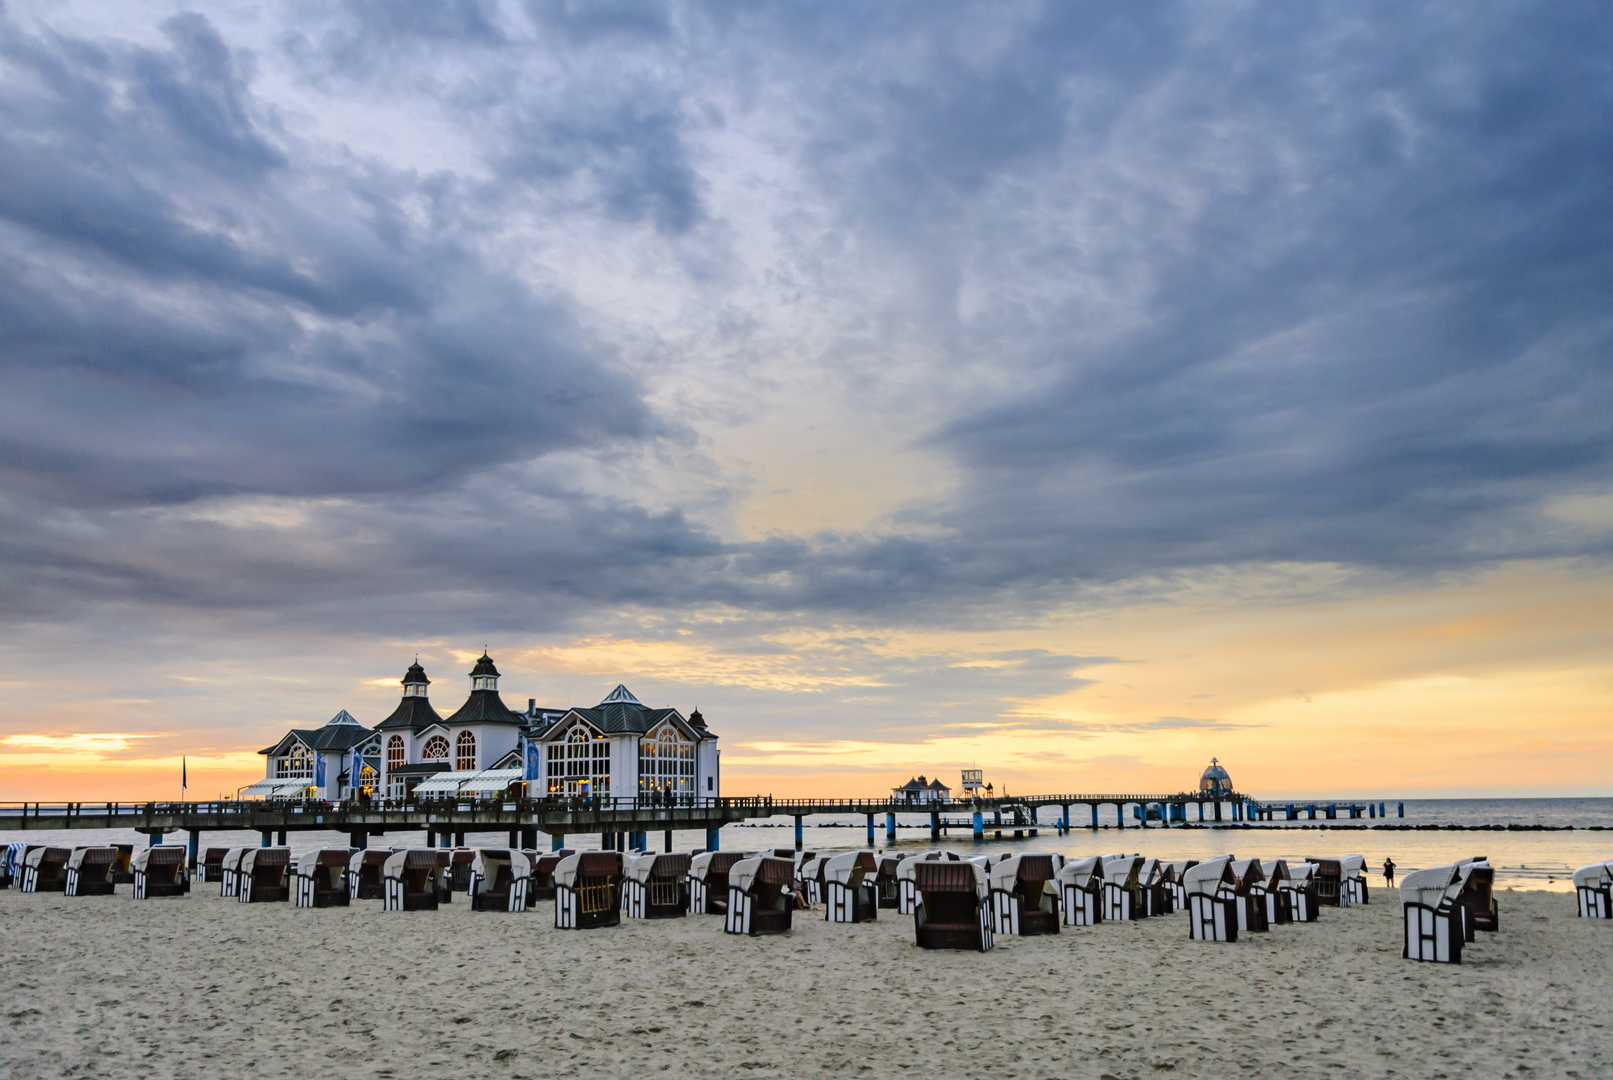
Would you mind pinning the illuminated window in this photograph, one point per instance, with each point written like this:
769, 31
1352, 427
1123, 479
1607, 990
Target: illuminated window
436, 749
465, 759
665, 761
580, 765
295, 765
395, 758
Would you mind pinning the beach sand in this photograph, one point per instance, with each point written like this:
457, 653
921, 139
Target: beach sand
208, 987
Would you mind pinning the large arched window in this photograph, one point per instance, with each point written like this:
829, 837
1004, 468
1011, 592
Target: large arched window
665, 762
296, 765
465, 759
436, 749
395, 759
580, 764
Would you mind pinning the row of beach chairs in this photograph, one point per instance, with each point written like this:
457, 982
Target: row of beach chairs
94, 870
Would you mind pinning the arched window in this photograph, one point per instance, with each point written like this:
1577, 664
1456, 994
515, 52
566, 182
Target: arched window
465, 759
665, 762
296, 765
580, 765
395, 759
436, 749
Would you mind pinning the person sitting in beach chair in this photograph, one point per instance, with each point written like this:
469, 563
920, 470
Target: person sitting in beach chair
954, 905
319, 878
1433, 917
588, 890
264, 876
1478, 896
1353, 879
1594, 886
849, 892
212, 867
1250, 886
364, 874
1299, 889
89, 871
656, 886
542, 887
229, 878
1212, 900
761, 896
498, 880
44, 869
411, 880
1122, 888
708, 881
1080, 884
1328, 876
159, 871
1024, 902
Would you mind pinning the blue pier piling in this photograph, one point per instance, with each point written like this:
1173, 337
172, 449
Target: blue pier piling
1120, 816
556, 842
798, 834
267, 839
980, 825
194, 851
890, 828
1402, 807
714, 839
1094, 815
935, 827
870, 830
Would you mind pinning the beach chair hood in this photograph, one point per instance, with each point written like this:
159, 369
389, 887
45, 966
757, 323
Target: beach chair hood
840, 868
1081, 872
1593, 876
1431, 886
1208, 876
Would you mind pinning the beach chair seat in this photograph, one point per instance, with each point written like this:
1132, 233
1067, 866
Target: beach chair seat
1023, 900
411, 880
44, 869
708, 881
319, 878
265, 876
1433, 917
954, 906
1080, 883
1328, 876
542, 887
1212, 901
761, 896
498, 880
588, 890
89, 871
1478, 896
123, 866
885, 880
364, 874
212, 864
850, 894
656, 886
159, 871
907, 896
1593, 885
1250, 889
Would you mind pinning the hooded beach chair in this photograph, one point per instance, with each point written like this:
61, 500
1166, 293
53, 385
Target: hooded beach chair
1212, 900
44, 869
498, 880
1353, 879
799, 885
1433, 918
411, 880
542, 886
89, 871
1250, 886
954, 905
907, 896
809, 880
885, 880
229, 878
160, 871
364, 874
319, 878
1080, 884
588, 890
1328, 876
1594, 886
1122, 888
761, 896
457, 877
1478, 896
265, 876
849, 892
1178, 868
1154, 883
1023, 900
708, 881
1299, 886
1279, 902
656, 886
212, 867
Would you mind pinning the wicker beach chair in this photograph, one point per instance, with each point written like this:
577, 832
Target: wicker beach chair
159, 871
1433, 917
1300, 887
1154, 882
319, 878
411, 880
809, 881
1080, 884
1328, 876
89, 871
1594, 886
1352, 880
229, 878
761, 896
1279, 901
885, 880
1023, 900
265, 876
212, 867
656, 886
1250, 886
458, 876
1179, 868
907, 896
499, 879
1122, 888
364, 874
44, 869
708, 881
542, 887
1212, 900
1478, 896
850, 894
954, 906
588, 890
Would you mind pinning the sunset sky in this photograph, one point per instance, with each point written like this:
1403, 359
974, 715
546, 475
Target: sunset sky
1077, 391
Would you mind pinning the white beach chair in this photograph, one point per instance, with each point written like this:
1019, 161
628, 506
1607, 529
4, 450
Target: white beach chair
588, 890
44, 869
11, 865
761, 896
1179, 867
656, 886
1594, 885
1212, 900
954, 905
264, 876
499, 878
849, 893
1250, 887
1081, 890
319, 878
1120, 888
1433, 918
1154, 885
411, 880
708, 881
1477, 898
89, 871
1300, 888
809, 879
1024, 900
1279, 902
1352, 880
159, 871
230, 871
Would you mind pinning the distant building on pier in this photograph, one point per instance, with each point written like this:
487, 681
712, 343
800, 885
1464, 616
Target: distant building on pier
921, 792
1215, 780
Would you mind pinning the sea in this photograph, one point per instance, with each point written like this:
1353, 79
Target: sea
1532, 843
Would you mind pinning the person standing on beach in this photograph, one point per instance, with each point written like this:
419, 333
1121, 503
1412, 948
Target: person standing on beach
1389, 872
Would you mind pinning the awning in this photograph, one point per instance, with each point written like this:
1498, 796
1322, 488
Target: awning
444, 783
491, 782
276, 789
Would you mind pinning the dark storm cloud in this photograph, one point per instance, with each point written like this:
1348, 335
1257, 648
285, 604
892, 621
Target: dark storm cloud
1263, 284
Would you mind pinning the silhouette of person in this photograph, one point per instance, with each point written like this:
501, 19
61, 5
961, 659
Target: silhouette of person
1389, 872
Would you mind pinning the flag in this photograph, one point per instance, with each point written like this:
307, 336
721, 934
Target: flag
184, 771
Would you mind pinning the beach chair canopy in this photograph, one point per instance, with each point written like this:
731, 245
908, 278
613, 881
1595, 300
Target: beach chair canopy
1029, 865
1248, 872
1181, 866
399, 862
1299, 873
932, 875
840, 868
590, 864
812, 869
489, 861
1082, 872
265, 857
763, 869
1593, 876
1122, 869
309, 861
1208, 876
160, 855
232, 857
368, 857
1276, 873
642, 868
1353, 866
1429, 887
39, 856
92, 856
703, 865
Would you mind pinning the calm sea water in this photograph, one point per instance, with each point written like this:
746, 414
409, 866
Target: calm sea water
1524, 859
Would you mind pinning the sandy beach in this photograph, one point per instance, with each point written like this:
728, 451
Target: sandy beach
206, 987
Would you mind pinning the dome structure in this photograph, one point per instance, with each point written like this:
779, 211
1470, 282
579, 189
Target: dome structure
1215, 780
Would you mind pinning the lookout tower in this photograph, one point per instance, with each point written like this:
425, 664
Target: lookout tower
1215, 780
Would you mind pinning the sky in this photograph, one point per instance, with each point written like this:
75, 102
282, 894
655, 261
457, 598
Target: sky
1076, 391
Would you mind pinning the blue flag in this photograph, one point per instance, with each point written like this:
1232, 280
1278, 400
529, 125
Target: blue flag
319, 770
531, 761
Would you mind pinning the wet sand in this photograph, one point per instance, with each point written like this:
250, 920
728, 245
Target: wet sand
207, 987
